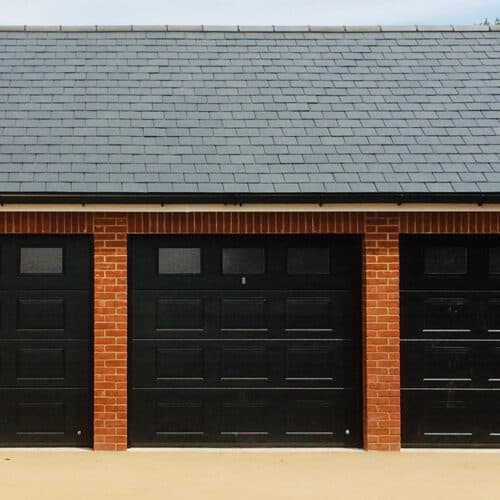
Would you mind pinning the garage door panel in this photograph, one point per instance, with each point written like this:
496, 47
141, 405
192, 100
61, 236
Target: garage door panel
41, 314
166, 315
449, 315
156, 418
308, 314
454, 418
243, 417
50, 315
314, 415
441, 364
42, 417
180, 363
313, 362
51, 363
245, 314
296, 363
180, 315
246, 362
319, 314
320, 362
445, 417
44, 314
454, 315
431, 315
210, 314
180, 417
169, 363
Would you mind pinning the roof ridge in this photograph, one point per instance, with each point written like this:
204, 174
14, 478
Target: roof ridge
250, 29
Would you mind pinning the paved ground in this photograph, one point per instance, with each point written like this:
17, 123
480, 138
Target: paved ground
245, 475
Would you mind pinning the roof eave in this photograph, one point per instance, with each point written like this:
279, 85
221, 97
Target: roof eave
239, 198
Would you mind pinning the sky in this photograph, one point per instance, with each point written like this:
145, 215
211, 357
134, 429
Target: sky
247, 12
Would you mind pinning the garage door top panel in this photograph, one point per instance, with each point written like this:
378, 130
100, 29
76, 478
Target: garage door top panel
450, 263
249, 262
44, 263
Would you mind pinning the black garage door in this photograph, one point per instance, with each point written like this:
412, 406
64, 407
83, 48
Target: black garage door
245, 340
450, 341
44, 341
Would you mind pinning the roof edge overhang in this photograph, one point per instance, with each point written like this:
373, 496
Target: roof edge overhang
202, 202
247, 29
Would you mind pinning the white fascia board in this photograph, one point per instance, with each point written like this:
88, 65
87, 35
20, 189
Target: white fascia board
248, 207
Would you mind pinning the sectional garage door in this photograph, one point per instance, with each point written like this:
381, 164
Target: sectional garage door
450, 341
44, 341
245, 340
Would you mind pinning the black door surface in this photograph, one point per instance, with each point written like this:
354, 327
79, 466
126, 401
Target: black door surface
245, 340
450, 341
44, 341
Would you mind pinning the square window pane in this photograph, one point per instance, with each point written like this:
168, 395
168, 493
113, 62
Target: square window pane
243, 261
494, 261
308, 261
445, 260
179, 261
38, 260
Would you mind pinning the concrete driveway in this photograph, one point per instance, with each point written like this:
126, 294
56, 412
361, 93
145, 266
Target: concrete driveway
248, 475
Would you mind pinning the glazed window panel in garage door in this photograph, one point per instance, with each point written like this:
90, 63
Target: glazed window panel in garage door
450, 341
259, 346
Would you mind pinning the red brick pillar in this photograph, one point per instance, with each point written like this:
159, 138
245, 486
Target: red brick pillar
110, 332
381, 332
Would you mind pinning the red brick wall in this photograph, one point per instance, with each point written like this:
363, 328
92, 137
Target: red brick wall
380, 293
110, 332
382, 426
244, 223
457, 222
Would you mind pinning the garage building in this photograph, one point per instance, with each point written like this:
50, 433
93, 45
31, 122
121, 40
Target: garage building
250, 236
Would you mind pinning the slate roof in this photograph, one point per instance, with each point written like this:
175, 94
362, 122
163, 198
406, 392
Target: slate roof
249, 110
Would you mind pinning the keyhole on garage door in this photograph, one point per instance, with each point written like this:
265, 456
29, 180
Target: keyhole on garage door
243, 280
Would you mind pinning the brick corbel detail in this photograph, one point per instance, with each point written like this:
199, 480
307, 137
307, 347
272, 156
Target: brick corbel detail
110, 332
382, 423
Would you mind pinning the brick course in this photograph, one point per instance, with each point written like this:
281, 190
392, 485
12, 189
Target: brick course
380, 293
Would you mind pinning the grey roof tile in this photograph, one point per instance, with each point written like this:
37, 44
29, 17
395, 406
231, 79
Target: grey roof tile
439, 187
234, 187
489, 187
286, 188
388, 187
211, 187
338, 187
312, 187
465, 187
